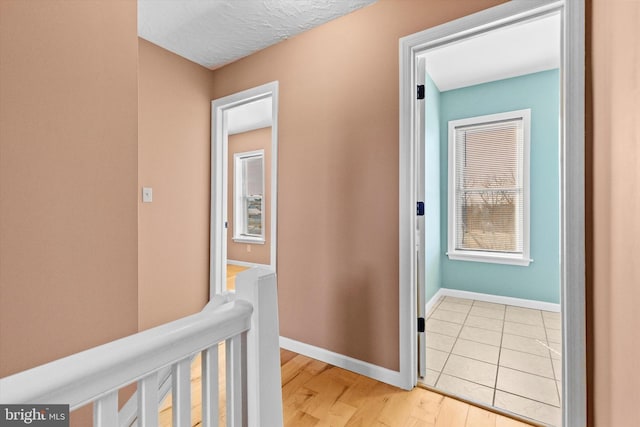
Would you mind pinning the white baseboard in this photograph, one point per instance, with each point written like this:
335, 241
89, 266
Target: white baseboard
358, 366
432, 302
247, 264
518, 302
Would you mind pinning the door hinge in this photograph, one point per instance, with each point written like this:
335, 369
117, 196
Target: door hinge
226, 224
420, 92
421, 324
420, 209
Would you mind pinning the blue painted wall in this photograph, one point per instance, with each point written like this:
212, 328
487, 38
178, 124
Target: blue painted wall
541, 279
433, 246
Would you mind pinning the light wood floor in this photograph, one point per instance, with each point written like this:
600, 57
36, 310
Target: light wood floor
318, 394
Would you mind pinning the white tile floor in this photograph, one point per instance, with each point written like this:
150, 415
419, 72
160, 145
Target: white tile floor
501, 355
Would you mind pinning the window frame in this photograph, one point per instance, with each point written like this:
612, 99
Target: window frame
523, 259
240, 234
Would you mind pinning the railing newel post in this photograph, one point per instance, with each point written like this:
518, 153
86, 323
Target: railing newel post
264, 393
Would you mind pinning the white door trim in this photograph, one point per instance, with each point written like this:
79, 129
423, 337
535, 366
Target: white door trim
219, 150
571, 180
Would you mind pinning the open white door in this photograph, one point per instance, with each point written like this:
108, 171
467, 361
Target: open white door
420, 218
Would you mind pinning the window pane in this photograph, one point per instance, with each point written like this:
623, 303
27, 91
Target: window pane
253, 173
253, 205
254, 215
488, 221
489, 160
249, 195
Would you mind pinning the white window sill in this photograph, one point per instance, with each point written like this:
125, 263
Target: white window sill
489, 257
249, 240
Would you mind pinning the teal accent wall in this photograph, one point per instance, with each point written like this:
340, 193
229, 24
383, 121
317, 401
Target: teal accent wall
433, 246
541, 279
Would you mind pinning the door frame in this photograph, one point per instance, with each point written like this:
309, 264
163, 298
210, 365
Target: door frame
219, 179
572, 173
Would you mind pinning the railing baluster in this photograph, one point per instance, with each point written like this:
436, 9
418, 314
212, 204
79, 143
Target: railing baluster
105, 410
236, 380
181, 393
210, 403
148, 400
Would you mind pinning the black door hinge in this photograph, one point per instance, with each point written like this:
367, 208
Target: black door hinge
420, 92
420, 209
420, 324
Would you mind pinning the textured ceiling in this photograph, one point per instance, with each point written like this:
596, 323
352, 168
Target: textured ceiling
215, 32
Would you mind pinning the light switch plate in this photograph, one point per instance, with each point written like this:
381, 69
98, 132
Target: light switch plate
147, 194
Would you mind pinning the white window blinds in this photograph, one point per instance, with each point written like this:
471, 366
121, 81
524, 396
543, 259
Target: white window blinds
489, 202
248, 200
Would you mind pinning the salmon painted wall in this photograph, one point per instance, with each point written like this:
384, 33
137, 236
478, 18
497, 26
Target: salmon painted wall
259, 139
68, 174
613, 210
68, 177
174, 159
338, 172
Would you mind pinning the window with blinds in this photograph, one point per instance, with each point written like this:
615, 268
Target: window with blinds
249, 203
488, 188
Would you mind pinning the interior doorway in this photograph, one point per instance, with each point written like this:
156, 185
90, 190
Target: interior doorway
492, 219
243, 184
465, 240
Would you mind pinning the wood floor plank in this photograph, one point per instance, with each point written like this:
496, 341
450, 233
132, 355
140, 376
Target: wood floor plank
502, 421
416, 422
477, 417
299, 401
359, 392
286, 355
327, 394
452, 413
301, 419
294, 375
428, 405
398, 408
338, 416
368, 412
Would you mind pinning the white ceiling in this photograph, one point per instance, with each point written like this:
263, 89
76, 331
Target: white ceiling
508, 52
216, 32
251, 116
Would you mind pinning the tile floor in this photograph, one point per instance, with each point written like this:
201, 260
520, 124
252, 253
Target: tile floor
501, 355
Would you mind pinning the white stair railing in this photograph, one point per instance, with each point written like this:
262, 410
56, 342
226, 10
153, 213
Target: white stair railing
248, 324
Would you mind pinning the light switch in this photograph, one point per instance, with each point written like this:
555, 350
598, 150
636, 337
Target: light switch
147, 194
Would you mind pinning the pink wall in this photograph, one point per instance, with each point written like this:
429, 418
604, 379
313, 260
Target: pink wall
68, 178
338, 172
238, 143
614, 209
174, 157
